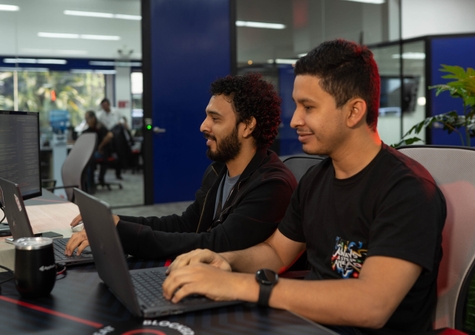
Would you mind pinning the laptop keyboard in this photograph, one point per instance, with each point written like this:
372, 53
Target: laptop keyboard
148, 286
59, 247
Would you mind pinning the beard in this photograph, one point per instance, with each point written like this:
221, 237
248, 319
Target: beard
227, 149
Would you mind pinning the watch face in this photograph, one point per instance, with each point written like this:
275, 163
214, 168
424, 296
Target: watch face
266, 276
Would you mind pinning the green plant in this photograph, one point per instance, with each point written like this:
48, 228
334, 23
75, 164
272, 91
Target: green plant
463, 86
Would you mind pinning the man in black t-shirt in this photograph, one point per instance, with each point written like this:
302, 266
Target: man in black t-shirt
369, 217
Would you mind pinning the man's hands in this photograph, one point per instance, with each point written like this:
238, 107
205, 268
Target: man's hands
207, 273
202, 279
200, 256
79, 240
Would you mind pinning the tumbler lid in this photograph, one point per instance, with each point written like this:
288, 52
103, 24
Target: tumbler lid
32, 243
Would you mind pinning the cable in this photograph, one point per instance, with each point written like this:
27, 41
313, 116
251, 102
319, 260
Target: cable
60, 270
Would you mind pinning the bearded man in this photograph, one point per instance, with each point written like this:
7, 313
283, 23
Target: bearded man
244, 192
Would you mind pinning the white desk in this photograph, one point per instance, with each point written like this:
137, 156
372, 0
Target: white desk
46, 213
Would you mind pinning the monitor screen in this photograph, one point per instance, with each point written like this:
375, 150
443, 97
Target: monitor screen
391, 92
20, 151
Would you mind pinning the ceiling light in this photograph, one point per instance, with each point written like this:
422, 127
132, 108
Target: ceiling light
82, 36
282, 61
90, 14
19, 60
9, 8
103, 15
378, 2
57, 35
253, 24
109, 63
34, 61
93, 71
52, 61
410, 55
53, 51
128, 17
29, 69
100, 37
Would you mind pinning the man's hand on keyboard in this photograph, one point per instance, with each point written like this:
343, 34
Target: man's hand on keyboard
78, 240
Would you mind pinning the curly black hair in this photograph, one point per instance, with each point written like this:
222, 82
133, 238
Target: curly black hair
252, 96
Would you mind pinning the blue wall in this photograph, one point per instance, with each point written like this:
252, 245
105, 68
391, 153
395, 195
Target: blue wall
449, 51
289, 143
191, 46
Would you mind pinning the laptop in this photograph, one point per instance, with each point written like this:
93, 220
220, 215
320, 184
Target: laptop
19, 224
139, 290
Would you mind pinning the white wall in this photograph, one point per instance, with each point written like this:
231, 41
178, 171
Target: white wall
435, 17
123, 92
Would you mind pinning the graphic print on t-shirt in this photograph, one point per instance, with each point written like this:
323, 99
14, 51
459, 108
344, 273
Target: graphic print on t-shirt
348, 258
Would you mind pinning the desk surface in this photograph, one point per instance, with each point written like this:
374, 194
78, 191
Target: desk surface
81, 304
46, 213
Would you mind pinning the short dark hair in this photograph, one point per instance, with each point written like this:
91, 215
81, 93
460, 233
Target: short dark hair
105, 100
252, 96
346, 70
91, 114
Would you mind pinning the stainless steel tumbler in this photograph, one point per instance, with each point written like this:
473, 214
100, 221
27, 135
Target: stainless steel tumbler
35, 268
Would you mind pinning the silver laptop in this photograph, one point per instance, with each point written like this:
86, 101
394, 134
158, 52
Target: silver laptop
19, 223
139, 290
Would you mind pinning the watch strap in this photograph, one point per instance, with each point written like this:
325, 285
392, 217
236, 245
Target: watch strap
264, 294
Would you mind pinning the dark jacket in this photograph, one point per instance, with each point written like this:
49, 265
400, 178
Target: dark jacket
249, 216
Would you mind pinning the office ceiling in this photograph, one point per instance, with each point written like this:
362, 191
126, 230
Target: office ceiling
20, 29
318, 20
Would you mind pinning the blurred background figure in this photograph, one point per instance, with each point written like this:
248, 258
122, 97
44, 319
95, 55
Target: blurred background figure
102, 152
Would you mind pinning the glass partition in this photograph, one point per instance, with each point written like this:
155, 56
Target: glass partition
272, 34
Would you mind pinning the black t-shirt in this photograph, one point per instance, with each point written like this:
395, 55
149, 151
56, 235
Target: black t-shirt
390, 208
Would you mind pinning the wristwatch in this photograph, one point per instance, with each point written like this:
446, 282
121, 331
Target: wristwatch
266, 279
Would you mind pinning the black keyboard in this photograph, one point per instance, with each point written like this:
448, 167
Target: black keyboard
148, 285
59, 247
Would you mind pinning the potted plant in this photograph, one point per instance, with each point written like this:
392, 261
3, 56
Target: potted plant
463, 86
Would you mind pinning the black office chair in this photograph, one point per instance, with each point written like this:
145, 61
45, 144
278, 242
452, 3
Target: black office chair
299, 165
104, 164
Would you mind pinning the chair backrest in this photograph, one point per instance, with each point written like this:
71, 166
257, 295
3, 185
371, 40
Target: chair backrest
299, 164
453, 169
73, 169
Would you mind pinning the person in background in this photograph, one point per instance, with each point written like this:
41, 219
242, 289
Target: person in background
244, 192
107, 115
113, 121
369, 217
103, 149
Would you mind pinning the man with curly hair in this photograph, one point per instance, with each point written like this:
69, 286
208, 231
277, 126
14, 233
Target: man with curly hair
244, 192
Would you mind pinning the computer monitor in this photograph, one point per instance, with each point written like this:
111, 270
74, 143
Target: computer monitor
391, 92
20, 151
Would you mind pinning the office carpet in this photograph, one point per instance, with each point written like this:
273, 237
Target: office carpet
129, 200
